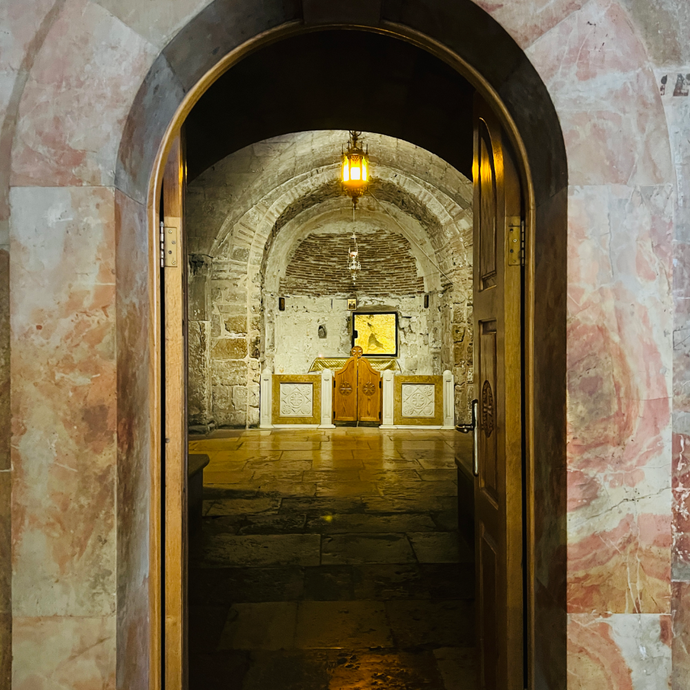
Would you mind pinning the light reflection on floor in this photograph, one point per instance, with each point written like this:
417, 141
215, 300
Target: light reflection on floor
329, 559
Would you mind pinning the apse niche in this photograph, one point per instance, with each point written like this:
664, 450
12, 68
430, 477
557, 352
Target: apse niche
271, 226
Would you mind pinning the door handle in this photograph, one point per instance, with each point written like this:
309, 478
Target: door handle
474, 428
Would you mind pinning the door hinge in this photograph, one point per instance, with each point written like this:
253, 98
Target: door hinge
170, 235
161, 239
516, 241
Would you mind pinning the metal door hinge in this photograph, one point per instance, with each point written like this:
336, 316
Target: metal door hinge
516, 241
170, 236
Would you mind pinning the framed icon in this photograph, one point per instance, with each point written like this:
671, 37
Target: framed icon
352, 304
376, 334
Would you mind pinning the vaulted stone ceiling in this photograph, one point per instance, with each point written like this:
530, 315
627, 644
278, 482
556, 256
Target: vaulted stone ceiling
239, 207
361, 80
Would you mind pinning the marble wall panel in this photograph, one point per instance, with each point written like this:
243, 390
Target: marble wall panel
89, 63
681, 636
681, 507
619, 384
157, 22
619, 652
64, 653
63, 401
134, 425
595, 68
527, 20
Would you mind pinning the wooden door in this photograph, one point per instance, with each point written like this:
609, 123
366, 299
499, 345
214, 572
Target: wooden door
368, 392
498, 484
175, 422
345, 392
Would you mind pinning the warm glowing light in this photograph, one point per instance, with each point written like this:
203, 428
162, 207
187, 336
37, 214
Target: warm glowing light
355, 174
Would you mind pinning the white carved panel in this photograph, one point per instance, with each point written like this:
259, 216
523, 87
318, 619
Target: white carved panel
296, 399
418, 400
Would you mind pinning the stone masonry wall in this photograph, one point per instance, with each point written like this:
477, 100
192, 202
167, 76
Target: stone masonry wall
276, 224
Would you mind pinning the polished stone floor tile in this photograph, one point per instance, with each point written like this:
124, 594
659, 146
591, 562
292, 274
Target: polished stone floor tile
356, 488
206, 623
285, 488
278, 464
284, 670
261, 550
439, 547
341, 475
321, 505
213, 476
226, 491
386, 670
329, 583
458, 667
358, 523
240, 506
417, 504
220, 670
272, 524
417, 489
231, 585
342, 549
439, 475
437, 463
365, 588
266, 625
430, 624
342, 624
383, 464
389, 476
276, 474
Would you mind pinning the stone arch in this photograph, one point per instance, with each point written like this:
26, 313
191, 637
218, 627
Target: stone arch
238, 224
554, 56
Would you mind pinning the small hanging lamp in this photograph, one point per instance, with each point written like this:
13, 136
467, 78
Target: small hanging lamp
355, 175
355, 179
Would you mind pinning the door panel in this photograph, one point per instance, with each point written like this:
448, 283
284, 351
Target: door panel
488, 453
498, 486
175, 421
345, 393
368, 392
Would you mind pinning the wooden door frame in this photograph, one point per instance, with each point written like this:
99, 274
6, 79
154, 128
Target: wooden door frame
490, 95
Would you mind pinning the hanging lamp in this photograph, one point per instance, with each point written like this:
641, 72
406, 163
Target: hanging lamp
355, 179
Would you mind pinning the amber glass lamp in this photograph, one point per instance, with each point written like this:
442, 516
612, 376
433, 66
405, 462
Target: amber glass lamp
355, 174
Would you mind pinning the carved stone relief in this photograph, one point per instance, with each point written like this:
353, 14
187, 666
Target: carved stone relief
296, 399
418, 400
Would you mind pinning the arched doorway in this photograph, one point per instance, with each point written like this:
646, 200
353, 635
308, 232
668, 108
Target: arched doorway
542, 170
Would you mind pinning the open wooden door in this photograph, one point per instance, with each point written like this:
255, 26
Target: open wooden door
498, 376
174, 422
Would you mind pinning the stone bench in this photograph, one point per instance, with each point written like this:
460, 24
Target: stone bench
195, 491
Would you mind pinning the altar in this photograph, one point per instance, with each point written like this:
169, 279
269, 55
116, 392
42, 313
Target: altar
358, 389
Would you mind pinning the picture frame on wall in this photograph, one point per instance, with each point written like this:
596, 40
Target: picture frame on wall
376, 333
352, 304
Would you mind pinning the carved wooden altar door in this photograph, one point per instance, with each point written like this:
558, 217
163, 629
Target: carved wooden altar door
498, 470
368, 392
345, 392
357, 391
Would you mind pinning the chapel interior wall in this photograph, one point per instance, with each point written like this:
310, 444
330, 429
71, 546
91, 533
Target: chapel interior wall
414, 235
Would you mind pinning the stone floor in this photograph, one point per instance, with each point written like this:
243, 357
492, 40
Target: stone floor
330, 559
